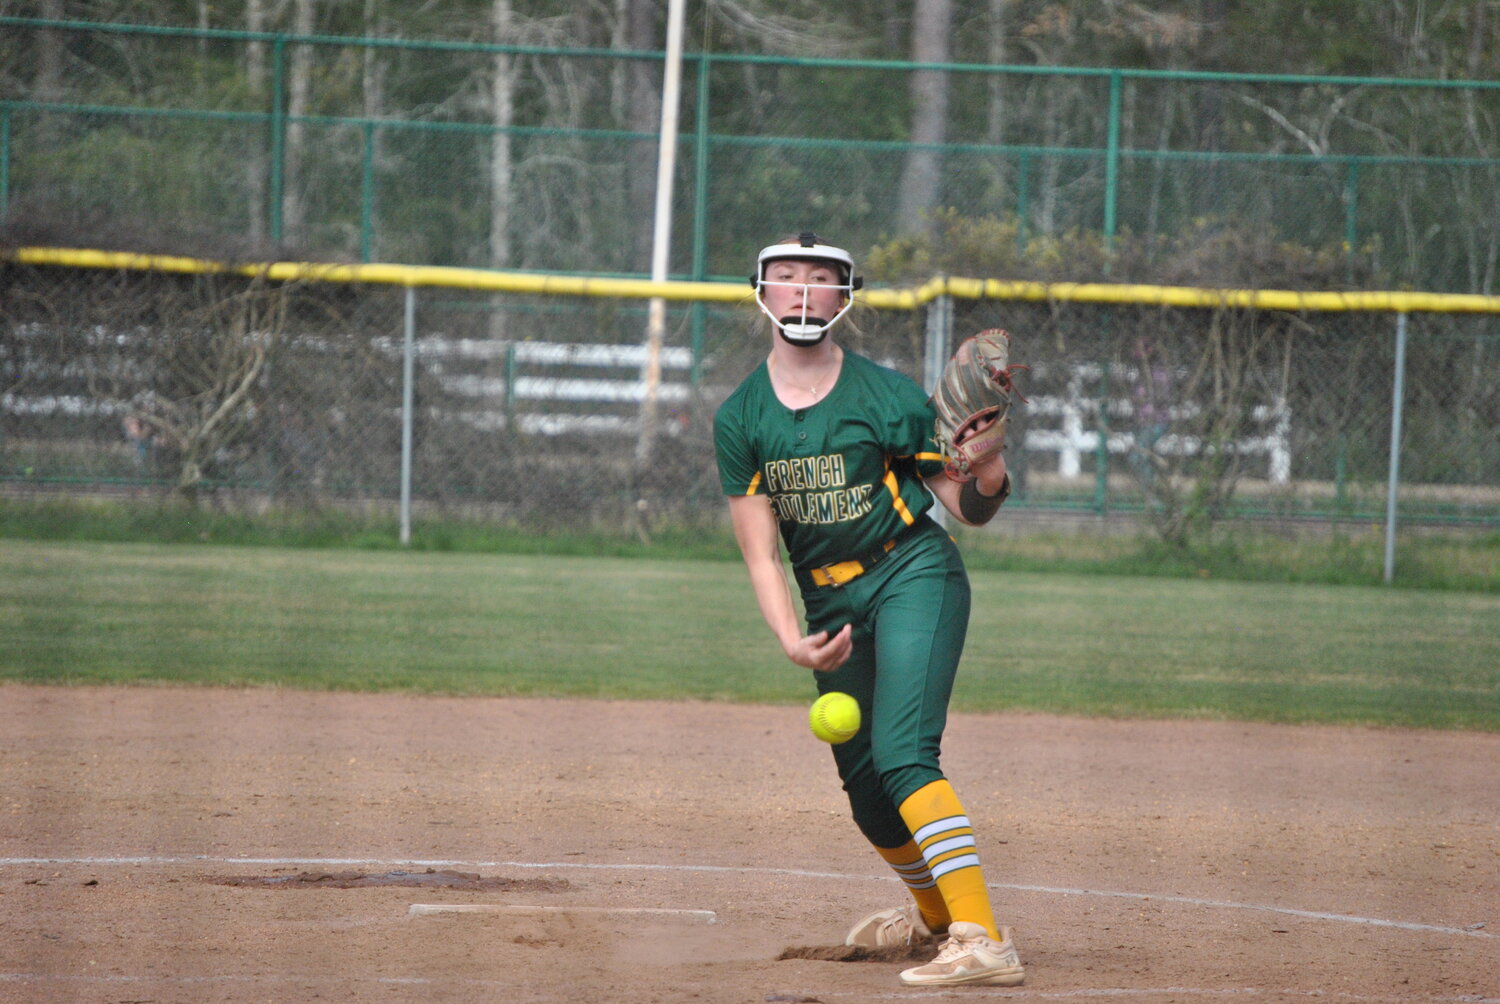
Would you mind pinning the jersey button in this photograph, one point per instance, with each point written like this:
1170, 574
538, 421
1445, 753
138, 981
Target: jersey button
801, 435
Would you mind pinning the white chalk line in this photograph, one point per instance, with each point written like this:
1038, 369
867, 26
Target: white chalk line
1341, 918
1122, 993
1118, 993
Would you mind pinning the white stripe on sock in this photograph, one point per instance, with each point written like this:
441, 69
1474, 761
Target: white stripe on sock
915, 874
951, 844
938, 826
954, 864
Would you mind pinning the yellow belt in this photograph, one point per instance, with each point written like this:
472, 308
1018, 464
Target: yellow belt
847, 571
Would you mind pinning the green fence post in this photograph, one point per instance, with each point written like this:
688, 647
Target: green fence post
1112, 158
367, 193
4, 163
278, 133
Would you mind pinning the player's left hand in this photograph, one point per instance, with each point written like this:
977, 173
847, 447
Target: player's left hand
972, 402
823, 651
989, 472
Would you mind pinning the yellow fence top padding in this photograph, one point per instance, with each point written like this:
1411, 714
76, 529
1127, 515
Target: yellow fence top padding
908, 298
482, 280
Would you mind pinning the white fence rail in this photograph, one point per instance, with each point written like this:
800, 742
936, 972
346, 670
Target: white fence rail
1061, 426
524, 377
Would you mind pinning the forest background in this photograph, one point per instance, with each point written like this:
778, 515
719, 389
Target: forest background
617, 102
1306, 146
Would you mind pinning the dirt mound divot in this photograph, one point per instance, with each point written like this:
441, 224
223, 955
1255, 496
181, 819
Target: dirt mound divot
857, 953
430, 879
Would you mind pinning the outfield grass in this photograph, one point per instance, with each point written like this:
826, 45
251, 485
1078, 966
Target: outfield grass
463, 623
1342, 555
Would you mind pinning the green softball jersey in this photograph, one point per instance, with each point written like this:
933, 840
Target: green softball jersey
843, 476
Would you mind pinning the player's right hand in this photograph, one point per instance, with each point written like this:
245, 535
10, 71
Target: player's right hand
822, 651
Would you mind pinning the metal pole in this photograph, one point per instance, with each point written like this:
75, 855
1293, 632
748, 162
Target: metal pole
408, 397
1101, 447
656, 324
939, 338
1398, 395
700, 214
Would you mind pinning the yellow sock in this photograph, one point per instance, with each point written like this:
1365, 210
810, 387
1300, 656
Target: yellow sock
908, 863
937, 820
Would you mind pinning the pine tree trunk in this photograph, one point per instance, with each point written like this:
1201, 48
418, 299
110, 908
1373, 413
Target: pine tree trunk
921, 177
502, 115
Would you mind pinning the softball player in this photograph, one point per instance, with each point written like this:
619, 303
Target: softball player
833, 454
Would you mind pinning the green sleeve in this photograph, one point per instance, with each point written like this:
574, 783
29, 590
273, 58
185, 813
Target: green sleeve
911, 428
739, 470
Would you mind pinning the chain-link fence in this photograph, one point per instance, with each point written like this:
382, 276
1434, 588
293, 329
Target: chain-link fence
521, 158
529, 409
1198, 413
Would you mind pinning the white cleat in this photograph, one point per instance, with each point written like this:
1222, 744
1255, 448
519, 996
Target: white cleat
970, 956
901, 925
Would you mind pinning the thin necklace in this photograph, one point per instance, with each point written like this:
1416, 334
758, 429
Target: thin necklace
771, 364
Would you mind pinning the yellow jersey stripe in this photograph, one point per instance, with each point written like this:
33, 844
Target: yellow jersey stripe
754, 484
895, 489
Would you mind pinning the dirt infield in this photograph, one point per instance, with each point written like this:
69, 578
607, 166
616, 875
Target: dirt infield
183, 845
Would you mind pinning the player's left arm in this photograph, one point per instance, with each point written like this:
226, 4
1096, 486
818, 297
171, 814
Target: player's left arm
974, 503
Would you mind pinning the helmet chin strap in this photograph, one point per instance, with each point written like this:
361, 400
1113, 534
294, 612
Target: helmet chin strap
802, 328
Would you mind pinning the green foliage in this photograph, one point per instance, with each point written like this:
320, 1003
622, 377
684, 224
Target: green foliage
959, 245
1309, 36
425, 201
1207, 252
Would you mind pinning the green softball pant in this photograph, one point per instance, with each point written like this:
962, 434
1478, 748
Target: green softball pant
910, 615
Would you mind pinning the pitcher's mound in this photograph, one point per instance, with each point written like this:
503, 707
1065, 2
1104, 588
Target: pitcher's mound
858, 953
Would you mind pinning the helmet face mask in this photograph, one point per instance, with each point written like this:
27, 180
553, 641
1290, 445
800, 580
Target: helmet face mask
804, 328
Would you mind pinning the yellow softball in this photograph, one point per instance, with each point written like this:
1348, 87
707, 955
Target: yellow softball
834, 718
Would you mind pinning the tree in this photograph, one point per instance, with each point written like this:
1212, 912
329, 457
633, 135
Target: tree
1194, 402
502, 167
299, 89
49, 55
1197, 386
255, 158
643, 115
921, 177
210, 342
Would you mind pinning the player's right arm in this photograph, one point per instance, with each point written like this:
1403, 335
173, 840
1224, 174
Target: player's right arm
755, 532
